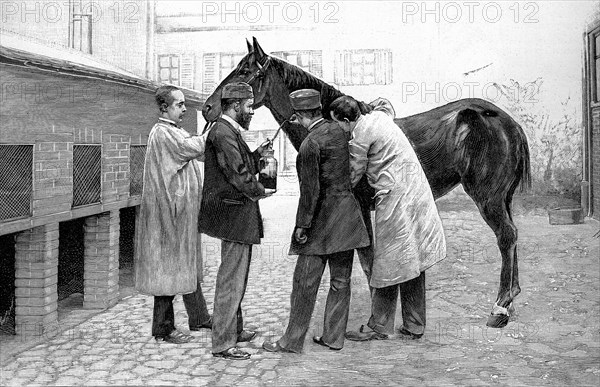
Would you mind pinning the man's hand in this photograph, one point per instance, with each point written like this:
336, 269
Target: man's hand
262, 148
300, 235
269, 192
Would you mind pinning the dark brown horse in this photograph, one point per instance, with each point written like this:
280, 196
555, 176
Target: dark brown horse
470, 142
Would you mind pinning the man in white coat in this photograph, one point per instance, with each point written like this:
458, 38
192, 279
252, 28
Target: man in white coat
408, 234
166, 230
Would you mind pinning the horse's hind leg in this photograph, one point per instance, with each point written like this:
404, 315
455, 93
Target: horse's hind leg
496, 212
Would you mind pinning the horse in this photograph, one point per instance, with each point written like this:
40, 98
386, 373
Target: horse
470, 142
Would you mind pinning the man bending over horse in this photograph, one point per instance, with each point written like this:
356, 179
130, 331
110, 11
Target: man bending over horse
408, 234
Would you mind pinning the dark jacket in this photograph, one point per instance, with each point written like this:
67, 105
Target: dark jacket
327, 207
228, 210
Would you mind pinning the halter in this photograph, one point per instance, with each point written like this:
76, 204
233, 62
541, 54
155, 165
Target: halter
259, 73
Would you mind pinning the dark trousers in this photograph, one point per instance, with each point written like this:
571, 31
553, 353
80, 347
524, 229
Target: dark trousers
230, 288
412, 298
307, 278
163, 321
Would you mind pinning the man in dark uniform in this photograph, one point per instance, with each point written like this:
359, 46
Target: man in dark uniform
230, 212
329, 226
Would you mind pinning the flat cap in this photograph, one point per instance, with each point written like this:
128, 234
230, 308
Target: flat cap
239, 90
305, 99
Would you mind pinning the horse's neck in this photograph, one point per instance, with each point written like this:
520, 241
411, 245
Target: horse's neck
282, 111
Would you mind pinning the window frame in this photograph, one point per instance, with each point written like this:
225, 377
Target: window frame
171, 67
344, 66
593, 60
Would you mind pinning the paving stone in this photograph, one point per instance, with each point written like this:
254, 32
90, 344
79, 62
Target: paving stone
94, 382
27, 373
104, 364
75, 371
164, 365
123, 375
69, 381
98, 375
144, 371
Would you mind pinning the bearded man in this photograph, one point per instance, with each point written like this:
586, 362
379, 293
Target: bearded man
230, 212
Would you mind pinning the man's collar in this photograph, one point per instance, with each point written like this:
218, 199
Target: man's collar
359, 122
232, 122
314, 124
168, 121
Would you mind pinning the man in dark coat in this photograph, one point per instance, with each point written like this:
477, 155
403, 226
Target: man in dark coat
329, 226
230, 212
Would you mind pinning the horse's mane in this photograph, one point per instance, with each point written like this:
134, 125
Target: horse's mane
296, 78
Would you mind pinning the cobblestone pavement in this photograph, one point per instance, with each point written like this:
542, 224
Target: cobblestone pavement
553, 339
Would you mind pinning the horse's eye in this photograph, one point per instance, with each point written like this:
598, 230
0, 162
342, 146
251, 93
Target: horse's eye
244, 72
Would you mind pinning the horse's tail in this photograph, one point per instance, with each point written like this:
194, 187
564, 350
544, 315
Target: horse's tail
523, 166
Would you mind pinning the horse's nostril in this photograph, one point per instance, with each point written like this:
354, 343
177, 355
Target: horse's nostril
207, 108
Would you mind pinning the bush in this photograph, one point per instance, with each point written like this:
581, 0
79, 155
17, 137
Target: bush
554, 143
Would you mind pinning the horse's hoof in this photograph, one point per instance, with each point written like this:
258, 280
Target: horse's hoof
497, 320
511, 309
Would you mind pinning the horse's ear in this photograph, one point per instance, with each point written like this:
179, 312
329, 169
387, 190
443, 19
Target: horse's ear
250, 48
258, 51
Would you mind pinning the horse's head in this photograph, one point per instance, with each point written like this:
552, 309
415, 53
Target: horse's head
253, 69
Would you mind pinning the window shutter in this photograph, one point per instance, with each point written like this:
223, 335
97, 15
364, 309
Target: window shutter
390, 69
380, 67
316, 63
383, 67
209, 64
338, 69
187, 71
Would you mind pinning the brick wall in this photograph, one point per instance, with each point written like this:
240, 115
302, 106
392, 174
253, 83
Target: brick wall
53, 175
115, 167
101, 260
596, 162
36, 276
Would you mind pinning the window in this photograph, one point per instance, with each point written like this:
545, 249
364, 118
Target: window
363, 67
80, 25
136, 169
216, 66
168, 69
16, 181
177, 69
86, 174
309, 60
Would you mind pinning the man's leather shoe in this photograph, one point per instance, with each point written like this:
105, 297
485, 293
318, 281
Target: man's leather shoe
361, 335
319, 340
275, 347
175, 337
246, 336
206, 325
233, 354
409, 334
